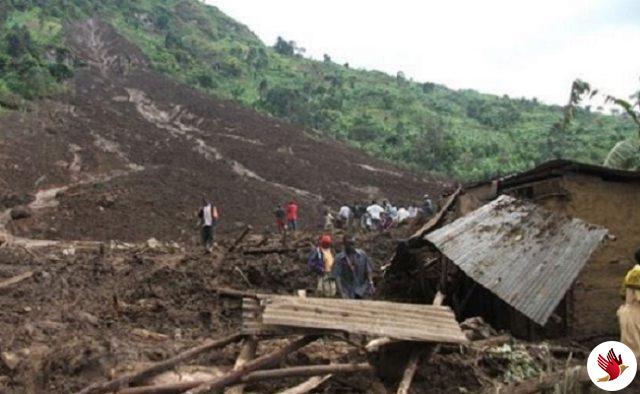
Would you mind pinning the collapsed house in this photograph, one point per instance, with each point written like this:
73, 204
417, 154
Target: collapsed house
598, 195
529, 252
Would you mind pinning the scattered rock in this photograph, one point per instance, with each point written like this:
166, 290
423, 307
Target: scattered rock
87, 317
20, 212
107, 201
153, 243
70, 251
11, 360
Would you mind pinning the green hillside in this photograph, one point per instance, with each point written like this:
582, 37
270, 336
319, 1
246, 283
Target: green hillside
423, 126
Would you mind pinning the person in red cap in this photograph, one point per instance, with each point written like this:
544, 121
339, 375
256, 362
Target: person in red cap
320, 262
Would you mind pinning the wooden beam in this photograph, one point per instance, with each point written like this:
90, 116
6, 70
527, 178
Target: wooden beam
235, 376
438, 216
416, 355
240, 238
257, 376
310, 384
16, 279
160, 367
247, 353
235, 293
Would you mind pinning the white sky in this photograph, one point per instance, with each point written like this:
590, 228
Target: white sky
532, 48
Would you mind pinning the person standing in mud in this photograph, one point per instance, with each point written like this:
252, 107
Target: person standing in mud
280, 218
292, 215
320, 262
208, 215
352, 271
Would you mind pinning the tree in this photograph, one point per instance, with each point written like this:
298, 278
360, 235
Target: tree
625, 154
284, 47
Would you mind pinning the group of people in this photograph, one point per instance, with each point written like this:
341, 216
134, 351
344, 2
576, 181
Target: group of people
348, 273
287, 216
376, 217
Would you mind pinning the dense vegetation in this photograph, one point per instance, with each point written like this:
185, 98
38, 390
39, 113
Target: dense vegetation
420, 125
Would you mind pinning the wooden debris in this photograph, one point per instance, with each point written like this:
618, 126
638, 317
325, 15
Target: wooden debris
416, 355
235, 376
235, 293
146, 334
257, 376
157, 368
412, 322
435, 219
577, 375
269, 250
242, 235
308, 385
247, 353
16, 279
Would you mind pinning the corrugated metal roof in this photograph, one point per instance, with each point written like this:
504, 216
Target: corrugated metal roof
526, 255
559, 167
414, 322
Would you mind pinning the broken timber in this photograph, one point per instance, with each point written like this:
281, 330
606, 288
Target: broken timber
258, 376
157, 368
412, 322
16, 279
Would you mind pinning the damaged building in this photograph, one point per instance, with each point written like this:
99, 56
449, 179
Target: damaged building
598, 195
541, 253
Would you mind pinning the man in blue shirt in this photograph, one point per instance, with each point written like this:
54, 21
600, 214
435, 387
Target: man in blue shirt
352, 271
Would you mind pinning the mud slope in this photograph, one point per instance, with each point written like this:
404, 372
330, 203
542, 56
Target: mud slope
127, 153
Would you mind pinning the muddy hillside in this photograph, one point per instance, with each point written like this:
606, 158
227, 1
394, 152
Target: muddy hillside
127, 154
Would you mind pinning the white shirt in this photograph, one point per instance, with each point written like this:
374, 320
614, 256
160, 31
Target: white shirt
375, 211
207, 216
403, 215
345, 212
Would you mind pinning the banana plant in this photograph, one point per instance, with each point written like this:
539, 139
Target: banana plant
625, 155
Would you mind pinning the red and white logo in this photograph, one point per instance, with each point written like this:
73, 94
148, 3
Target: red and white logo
612, 366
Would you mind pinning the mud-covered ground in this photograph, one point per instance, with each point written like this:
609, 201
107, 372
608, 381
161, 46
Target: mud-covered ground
127, 153
92, 312
86, 315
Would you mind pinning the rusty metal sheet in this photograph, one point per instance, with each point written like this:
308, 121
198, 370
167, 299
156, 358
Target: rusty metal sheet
526, 255
414, 322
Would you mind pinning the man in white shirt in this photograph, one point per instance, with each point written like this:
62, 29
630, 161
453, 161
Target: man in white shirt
375, 211
345, 215
403, 214
208, 215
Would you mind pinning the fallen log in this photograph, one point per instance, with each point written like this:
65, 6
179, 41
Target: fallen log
240, 238
247, 353
235, 293
235, 376
16, 279
152, 370
256, 376
269, 250
308, 385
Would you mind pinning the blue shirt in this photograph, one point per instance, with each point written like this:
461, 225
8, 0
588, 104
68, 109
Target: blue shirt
352, 273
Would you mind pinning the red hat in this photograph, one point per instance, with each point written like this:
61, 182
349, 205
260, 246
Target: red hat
325, 241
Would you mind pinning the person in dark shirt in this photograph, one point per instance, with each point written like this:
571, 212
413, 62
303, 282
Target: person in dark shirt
352, 271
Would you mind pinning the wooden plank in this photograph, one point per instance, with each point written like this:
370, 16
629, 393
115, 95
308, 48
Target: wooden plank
361, 312
159, 367
375, 305
365, 328
16, 279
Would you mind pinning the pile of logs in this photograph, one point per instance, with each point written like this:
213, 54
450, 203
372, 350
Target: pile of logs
247, 369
